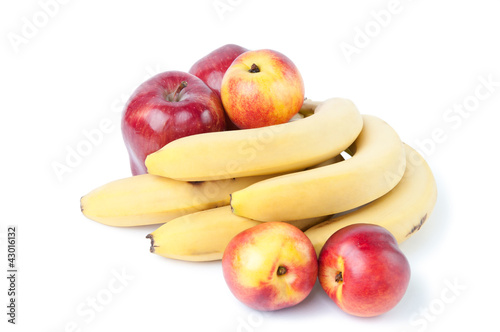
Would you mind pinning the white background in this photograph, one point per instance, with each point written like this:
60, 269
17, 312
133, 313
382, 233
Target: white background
84, 58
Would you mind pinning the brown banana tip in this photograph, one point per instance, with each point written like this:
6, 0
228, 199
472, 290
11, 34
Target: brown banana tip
418, 226
152, 247
230, 201
81, 204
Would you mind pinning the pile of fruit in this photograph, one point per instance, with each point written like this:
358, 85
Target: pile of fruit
236, 165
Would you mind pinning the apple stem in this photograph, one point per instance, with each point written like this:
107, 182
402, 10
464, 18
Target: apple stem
254, 68
178, 90
338, 277
281, 270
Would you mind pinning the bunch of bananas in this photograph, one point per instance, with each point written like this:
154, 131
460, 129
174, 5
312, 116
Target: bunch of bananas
204, 189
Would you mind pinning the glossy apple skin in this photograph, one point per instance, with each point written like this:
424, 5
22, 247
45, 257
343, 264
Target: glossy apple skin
375, 273
253, 264
150, 120
273, 95
212, 67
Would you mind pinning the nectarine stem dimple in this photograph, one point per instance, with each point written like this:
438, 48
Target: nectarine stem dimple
281, 270
254, 69
338, 277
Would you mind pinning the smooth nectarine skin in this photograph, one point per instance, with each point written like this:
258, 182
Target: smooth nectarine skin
262, 88
363, 270
270, 266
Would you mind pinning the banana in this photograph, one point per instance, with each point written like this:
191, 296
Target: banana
375, 168
203, 236
402, 211
149, 199
287, 147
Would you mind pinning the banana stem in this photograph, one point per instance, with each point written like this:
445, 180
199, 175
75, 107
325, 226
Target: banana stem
308, 107
152, 248
349, 151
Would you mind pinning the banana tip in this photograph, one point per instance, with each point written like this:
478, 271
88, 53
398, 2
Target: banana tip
81, 203
417, 226
230, 201
152, 248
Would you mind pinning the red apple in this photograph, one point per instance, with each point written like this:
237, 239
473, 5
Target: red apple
212, 67
166, 107
262, 88
270, 266
362, 270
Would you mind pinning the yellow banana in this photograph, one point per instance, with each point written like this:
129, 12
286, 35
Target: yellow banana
203, 236
287, 147
149, 199
402, 211
375, 168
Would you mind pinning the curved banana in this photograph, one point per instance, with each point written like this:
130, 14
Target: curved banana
402, 211
375, 168
149, 199
203, 236
287, 147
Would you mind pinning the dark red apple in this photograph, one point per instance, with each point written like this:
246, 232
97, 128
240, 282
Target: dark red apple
362, 270
212, 67
166, 107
